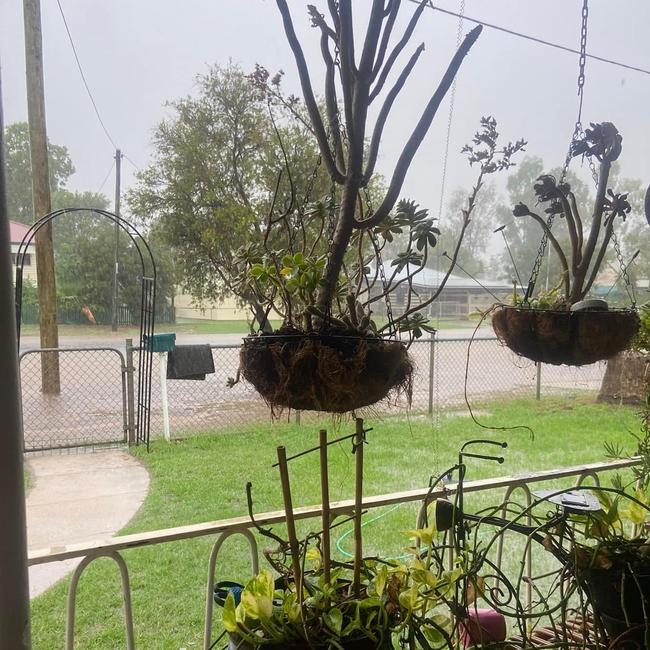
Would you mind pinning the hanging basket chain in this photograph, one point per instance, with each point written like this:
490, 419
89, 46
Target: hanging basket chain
577, 135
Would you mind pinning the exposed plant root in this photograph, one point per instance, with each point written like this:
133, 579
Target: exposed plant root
330, 373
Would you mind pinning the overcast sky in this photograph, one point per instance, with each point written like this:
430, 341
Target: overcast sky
137, 54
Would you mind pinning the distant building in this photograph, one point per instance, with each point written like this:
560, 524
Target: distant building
459, 298
227, 309
17, 232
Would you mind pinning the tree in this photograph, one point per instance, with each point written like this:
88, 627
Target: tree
524, 235
19, 171
472, 257
214, 175
83, 243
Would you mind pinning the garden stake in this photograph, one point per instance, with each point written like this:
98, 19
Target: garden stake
291, 525
358, 494
325, 499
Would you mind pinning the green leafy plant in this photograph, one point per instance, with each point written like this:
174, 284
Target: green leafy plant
290, 281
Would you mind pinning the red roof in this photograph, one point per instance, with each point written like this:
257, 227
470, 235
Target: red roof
17, 231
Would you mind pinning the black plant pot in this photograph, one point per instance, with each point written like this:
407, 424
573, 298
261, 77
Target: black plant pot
618, 597
325, 372
574, 338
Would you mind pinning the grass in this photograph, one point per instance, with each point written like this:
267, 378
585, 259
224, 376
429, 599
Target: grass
192, 326
203, 478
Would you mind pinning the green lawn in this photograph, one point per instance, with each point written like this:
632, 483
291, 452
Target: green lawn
194, 326
203, 478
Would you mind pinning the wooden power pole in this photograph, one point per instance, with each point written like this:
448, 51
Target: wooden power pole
116, 267
41, 190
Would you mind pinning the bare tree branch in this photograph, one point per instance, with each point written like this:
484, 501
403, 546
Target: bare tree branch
596, 221
372, 38
392, 57
419, 133
599, 259
331, 100
557, 247
308, 93
392, 11
383, 115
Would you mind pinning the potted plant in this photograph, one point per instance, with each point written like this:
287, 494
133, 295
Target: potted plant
370, 602
325, 278
331, 353
562, 326
614, 559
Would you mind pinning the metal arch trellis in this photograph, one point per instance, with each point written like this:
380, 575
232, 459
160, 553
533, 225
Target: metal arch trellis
147, 304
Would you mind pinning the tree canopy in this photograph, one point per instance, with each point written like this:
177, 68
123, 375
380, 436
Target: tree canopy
83, 242
215, 171
19, 171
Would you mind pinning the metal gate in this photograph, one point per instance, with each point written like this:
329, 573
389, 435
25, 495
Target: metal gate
92, 408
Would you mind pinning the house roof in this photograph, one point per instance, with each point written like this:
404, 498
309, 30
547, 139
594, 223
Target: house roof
431, 278
17, 231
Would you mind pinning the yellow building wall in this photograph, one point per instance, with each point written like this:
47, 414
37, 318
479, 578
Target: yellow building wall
227, 309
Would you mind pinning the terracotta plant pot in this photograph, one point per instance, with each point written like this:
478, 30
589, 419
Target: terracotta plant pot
322, 372
574, 338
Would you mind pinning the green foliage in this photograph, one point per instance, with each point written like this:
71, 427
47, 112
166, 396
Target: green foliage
188, 477
19, 171
642, 339
213, 179
397, 600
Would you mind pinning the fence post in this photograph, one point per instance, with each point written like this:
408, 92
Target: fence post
130, 397
538, 381
162, 364
297, 416
432, 360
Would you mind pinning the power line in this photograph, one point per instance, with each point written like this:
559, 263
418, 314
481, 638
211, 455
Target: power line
528, 37
136, 167
101, 187
83, 77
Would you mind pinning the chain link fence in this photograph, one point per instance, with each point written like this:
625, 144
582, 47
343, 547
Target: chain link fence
95, 405
493, 372
89, 410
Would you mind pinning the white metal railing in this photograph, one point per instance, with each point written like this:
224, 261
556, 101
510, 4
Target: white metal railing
225, 528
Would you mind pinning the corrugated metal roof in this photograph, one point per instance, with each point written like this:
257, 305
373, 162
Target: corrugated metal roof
17, 231
431, 278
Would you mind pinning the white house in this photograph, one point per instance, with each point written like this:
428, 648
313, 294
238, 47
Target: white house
17, 231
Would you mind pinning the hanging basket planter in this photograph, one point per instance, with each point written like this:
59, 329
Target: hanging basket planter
574, 338
325, 372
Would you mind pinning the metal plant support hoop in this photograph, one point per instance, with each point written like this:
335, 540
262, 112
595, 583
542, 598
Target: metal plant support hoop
147, 305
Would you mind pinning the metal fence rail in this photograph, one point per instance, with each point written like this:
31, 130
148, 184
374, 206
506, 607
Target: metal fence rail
96, 403
225, 528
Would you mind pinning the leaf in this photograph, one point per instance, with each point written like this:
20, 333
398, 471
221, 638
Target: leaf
298, 258
334, 620
229, 617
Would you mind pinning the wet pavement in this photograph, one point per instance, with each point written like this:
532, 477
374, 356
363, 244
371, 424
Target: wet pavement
79, 497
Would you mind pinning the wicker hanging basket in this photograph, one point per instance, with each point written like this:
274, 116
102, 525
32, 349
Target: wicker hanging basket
574, 338
325, 372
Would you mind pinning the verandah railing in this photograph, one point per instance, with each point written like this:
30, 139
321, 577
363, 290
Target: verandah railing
223, 529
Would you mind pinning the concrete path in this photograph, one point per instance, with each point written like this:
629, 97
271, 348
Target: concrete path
79, 497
